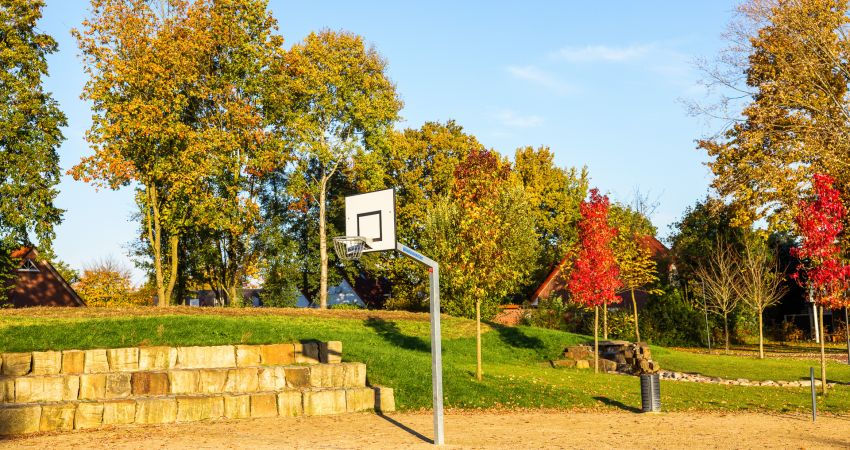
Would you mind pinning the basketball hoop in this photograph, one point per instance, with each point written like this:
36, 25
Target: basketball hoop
349, 248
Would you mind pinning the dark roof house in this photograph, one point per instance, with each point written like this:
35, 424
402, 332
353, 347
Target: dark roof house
37, 283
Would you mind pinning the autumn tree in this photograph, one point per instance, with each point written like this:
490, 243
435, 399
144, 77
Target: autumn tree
594, 279
334, 100
178, 91
30, 122
719, 274
239, 50
761, 284
820, 223
637, 267
481, 234
794, 59
105, 282
143, 67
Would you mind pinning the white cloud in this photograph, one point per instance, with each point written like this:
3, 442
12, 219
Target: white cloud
541, 78
511, 119
594, 53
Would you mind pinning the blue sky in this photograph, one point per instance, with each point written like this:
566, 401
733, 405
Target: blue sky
601, 85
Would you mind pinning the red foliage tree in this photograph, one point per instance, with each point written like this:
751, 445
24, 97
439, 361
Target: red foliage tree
819, 223
594, 279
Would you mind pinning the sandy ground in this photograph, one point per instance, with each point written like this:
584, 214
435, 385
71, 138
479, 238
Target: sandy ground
471, 430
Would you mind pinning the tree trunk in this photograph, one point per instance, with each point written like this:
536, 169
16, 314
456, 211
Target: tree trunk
761, 334
634, 306
605, 321
323, 248
596, 340
726, 331
847, 333
479, 372
822, 353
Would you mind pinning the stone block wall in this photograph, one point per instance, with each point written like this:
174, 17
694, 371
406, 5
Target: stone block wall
79, 389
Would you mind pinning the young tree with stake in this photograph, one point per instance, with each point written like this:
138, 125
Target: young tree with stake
719, 275
761, 284
820, 223
594, 279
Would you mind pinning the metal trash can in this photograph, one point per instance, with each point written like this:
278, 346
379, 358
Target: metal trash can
650, 392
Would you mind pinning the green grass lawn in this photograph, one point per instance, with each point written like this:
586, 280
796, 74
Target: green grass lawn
397, 352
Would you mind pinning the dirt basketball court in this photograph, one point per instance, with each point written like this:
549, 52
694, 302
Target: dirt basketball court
472, 430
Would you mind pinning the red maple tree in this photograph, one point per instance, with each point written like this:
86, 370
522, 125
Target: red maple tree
819, 223
594, 279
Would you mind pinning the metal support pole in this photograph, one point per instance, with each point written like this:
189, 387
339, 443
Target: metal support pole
847, 333
707, 329
814, 396
436, 344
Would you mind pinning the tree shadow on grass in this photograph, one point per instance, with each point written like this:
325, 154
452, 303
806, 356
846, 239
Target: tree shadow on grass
515, 338
392, 334
618, 404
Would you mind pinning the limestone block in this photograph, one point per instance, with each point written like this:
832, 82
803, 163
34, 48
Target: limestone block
96, 361
54, 388
582, 364
123, 359
330, 352
277, 354
184, 381
156, 358
309, 353
190, 409
263, 405
355, 374
242, 380
119, 412
7, 390
237, 406
272, 378
46, 363
206, 357
359, 399
149, 383
212, 381
156, 410
247, 355
118, 385
290, 403
384, 399
89, 415
19, 419
297, 377
16, 364
319, 403
73, 362
327, 375
57, 417
92, 386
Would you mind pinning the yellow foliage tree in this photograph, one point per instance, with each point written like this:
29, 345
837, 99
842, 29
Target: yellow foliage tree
106, 283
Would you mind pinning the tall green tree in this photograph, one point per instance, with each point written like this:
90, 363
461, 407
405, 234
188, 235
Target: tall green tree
30, 123
334, 100
481, 235
555, 195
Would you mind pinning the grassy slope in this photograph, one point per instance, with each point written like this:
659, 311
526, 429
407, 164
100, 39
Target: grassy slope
397, 351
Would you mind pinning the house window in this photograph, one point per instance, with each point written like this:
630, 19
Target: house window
28, 266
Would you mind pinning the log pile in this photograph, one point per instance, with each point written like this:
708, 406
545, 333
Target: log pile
614, 357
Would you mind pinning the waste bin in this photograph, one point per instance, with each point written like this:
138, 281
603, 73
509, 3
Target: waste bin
650, 392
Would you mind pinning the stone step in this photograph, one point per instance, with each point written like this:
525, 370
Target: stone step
147, 383
75, 415
76, 362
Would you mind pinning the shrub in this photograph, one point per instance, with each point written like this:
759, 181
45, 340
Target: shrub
669, 320
345, 306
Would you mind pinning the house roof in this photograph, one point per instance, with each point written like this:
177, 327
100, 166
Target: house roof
41, 287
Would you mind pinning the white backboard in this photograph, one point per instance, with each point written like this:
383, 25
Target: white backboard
372, 215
